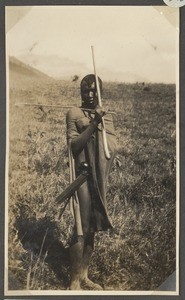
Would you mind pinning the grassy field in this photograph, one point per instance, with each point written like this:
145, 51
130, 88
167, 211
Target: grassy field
139, 254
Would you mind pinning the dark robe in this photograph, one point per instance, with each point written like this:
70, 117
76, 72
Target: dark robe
93, 153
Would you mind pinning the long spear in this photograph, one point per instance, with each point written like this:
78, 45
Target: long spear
105, 145
58, 106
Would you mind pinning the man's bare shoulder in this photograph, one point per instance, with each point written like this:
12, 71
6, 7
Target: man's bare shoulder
74, 113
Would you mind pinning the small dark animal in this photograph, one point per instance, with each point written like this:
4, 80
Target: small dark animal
75, 78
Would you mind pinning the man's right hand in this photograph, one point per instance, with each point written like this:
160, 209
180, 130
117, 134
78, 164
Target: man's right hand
99, 113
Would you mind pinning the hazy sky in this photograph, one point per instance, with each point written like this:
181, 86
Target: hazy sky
129, 41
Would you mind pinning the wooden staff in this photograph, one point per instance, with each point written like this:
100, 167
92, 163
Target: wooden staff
105, 145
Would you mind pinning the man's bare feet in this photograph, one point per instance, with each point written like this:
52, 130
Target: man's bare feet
75, 285
90, 285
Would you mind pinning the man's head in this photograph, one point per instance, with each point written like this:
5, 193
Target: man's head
89, 91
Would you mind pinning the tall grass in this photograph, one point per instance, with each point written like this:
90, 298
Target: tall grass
139, 253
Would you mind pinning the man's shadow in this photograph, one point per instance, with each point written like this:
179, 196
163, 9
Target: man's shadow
42, 238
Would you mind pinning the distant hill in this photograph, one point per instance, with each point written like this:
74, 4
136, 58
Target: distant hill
55, 66
65, 68
19, 70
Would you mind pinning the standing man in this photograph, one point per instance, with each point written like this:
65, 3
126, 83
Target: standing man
84, 137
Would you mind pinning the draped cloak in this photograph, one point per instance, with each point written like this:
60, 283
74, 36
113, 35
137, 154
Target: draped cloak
93, 153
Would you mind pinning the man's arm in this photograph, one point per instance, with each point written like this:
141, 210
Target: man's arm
79, 141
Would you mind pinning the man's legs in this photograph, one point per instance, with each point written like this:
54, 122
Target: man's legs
77, 243
80, 255
82, 247
88, 250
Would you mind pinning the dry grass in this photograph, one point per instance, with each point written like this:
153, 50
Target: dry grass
140, 252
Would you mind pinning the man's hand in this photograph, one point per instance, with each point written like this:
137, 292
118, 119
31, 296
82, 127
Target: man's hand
99, 113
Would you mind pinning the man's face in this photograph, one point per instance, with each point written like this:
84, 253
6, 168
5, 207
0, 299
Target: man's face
90, 97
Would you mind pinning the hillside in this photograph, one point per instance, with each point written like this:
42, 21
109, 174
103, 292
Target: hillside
19, 68
21, 74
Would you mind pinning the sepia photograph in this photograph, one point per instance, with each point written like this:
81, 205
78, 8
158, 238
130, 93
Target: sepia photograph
92, 150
